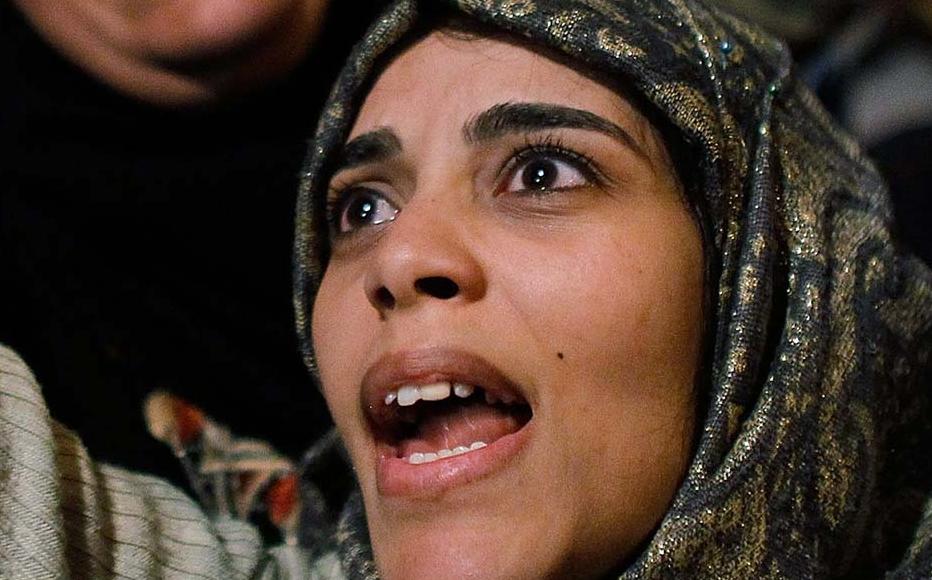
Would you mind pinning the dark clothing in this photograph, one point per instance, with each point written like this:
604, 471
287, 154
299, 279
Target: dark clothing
904, 161
144, 248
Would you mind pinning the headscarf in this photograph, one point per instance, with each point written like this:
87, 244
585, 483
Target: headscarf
812, 459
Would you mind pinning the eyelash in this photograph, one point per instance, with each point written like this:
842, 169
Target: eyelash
534, 146
337, 202
336, 199
551, 146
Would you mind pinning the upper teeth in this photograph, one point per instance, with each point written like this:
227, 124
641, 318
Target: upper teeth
410, 394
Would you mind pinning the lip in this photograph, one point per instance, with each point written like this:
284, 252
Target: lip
398, 478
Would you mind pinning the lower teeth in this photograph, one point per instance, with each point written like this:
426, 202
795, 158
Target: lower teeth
419, 458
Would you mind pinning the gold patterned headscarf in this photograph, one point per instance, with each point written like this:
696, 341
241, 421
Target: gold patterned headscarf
813, 459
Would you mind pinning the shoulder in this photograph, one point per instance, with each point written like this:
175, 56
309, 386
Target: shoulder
64, 514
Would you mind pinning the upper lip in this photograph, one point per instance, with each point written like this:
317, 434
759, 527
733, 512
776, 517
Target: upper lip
421, 367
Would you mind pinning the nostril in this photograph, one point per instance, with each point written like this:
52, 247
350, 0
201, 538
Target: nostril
438, 287
384, 297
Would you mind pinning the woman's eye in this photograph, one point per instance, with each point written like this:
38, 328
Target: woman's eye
543, 172
361, 207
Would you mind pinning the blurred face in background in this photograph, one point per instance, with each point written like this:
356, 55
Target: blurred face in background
509, 326
180, 52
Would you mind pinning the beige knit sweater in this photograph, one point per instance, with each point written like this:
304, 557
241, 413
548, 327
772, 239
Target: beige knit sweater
64, 516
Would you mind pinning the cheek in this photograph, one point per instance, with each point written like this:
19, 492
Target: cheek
623, 305
338, 327
615, 300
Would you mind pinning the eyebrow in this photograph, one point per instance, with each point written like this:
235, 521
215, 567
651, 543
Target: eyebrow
508, 118
493, 123
370, 147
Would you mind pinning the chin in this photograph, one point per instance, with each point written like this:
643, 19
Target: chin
469, 472
460, 546
212, 29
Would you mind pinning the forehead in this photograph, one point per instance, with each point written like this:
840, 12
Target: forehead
444, 79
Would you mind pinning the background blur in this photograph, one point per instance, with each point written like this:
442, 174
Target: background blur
871, 64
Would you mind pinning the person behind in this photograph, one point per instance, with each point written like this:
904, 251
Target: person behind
180, 53
150, 152
618, 301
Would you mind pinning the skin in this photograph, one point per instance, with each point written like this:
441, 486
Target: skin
588, 295
180, 52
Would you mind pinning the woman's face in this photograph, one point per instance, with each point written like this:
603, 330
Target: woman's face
509, 326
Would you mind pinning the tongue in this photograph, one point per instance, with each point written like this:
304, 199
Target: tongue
458, 425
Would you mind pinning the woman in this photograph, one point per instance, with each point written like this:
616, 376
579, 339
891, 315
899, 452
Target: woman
500, 238
646, 324
509, 325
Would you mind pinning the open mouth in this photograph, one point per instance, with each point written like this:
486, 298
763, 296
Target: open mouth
433, 421
441, 418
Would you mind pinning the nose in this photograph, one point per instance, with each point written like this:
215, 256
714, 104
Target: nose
423, 258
